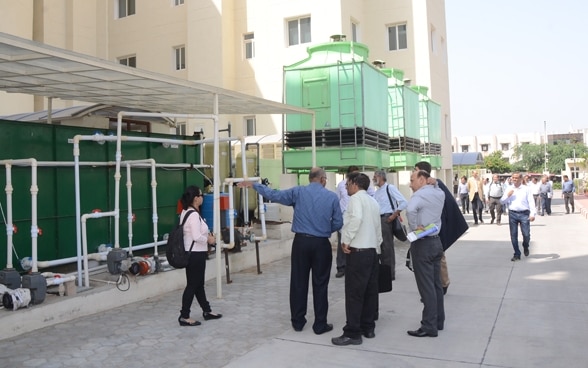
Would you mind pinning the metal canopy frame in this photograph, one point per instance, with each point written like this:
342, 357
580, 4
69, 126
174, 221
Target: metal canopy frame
37, 69
33, 68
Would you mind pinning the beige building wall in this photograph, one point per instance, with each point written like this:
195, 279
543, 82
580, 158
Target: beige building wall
212, 33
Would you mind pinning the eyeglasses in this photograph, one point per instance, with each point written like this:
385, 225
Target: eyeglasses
200, 195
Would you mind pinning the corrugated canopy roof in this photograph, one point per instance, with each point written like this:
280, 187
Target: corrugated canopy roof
467, 158
37, 69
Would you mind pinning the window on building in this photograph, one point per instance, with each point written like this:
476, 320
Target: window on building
249, 45
298, 31
126, 8
397, 39
178, 2
354, 30
465, 148
484, 147
433, 40
250, 125
128, 61
130, 125
180, 57
181, 129
504, 146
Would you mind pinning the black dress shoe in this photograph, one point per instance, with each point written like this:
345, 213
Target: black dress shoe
526, 251
328, 327
420, 333
515, 258
209, 315
340, 274
344, 340
369, 334
445, 289
186, 322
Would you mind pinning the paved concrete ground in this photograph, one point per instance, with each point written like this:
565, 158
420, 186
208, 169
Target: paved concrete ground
531, 313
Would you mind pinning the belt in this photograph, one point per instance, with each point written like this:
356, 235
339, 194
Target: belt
513, 211
495, 197
387, 214
309, 235
354, 250
566, 192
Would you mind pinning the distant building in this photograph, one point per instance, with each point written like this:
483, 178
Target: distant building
487, 144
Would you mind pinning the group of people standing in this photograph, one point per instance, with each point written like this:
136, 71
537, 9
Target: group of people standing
363, 217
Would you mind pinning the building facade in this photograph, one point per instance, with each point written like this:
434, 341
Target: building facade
237, 45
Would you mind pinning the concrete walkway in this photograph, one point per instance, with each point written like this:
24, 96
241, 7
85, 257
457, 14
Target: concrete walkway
531, 313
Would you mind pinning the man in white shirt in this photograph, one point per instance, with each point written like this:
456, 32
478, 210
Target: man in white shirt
361, 236
343, 201
535, 188
521, 211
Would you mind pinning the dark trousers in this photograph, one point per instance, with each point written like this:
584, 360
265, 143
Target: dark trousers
426, 256
310, 254
465, 202
361, 292
195, 284
545, 204
340, 259
388, 256
477, 207
569, 201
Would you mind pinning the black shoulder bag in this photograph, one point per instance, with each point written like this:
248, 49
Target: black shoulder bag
398, 229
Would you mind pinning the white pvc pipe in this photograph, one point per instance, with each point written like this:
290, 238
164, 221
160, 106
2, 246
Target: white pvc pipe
130, 208
76, 153
9, 225
34, 194
59, 280
99, 256
260, 208
245, 190
216, 203
153, 200
85, 240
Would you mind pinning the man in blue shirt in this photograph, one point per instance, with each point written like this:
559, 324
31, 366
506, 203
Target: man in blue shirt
317, 215
567, 192
391, 203
425, 207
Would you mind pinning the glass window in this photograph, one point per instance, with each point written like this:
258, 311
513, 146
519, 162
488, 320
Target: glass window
505, 146
181, 129
299, 31
128, 61
180, 58
465, 148
249, 46
126, 8
178, 2
354, 37
484, 147
250, 122
397, 38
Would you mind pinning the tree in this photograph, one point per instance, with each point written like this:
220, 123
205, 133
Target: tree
530, 157
496, 163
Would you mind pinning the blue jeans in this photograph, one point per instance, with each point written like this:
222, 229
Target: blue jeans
514, 219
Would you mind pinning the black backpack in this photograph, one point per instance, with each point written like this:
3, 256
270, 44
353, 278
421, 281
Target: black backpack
176, 254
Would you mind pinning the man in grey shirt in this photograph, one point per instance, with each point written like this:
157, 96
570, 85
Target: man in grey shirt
424, 208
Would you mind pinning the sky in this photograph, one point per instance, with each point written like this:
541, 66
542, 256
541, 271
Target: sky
516, 66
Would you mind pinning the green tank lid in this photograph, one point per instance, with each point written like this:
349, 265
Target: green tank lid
421, 90
332, 53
